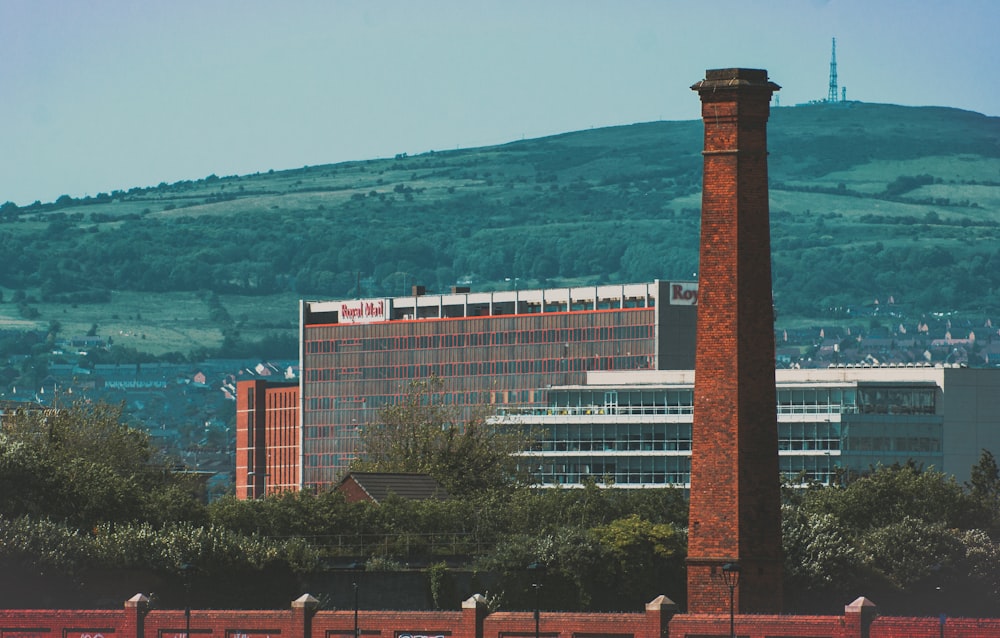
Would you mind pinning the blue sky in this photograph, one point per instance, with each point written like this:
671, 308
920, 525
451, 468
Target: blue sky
99, 95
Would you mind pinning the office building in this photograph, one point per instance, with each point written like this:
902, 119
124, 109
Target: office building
634, 429
489, 349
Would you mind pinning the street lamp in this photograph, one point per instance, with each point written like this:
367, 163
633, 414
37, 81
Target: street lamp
357, 631
537, 571
186, 568
731, 577
356, 566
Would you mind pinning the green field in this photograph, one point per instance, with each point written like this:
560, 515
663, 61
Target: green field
867, 201
160, 323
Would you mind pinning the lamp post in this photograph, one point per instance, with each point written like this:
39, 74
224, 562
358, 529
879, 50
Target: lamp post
186, 569
537, 571
731, 577
357, 630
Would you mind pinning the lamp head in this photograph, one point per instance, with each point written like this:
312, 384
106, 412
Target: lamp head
731, 574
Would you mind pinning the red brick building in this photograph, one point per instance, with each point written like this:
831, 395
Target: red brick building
267, 438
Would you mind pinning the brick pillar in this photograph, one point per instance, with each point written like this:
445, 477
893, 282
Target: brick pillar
858, 617
303, 609
659, 611
474, 612
735, 512
136, 609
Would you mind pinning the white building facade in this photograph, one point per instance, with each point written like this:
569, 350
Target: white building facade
633, 428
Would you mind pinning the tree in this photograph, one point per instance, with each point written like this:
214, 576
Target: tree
912, 540
984, 480
984, 488
887, 494
649, 557
423, 434
82, 464
820, 556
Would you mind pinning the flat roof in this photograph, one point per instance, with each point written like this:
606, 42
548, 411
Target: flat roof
578, 293
790, 377
462, 304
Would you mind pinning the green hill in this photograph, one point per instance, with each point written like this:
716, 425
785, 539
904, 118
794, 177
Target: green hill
868, 201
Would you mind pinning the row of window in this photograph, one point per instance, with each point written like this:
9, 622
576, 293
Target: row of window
483, 323
899, 444
625, 401
478, 368
593, 437
667, 471
347, 362
378, 401
822, 399
328, 460
821, 469
612, 437
474, 339
648, 470
896, 400
329, 431
520, 307
809, 436
789, 400
672, 471
817, 400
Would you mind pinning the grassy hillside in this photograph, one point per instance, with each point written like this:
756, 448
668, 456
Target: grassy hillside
868, 201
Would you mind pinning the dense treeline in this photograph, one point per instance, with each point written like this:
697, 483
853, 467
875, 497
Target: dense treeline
913, 540
324, 253
943, 267
616, 204
81, 493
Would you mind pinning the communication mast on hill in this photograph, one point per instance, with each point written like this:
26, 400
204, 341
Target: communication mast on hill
832, 95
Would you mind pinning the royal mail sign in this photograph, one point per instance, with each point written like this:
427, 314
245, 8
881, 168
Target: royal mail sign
683, 294
364, 311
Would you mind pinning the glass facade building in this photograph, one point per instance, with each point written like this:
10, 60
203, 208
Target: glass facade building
634, 430
488, 349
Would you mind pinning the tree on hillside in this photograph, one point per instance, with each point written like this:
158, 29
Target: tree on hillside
423, 434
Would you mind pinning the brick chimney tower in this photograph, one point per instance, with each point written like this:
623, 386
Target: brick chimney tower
735, 509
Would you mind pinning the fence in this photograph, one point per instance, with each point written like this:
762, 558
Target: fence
305, 620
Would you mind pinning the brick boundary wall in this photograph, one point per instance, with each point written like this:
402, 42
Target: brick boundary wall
304, 619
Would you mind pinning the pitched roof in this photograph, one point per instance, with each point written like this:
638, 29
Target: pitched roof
378, 485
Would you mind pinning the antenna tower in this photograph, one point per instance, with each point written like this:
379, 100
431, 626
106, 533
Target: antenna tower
832, 95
